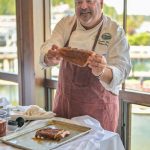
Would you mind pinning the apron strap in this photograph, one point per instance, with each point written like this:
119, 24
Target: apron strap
97, 35
73, 29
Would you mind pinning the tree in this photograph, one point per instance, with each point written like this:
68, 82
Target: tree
140, 39
58, 2
134, 22
7, 7
110, 11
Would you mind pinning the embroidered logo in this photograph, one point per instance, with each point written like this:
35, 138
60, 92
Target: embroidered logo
105, 38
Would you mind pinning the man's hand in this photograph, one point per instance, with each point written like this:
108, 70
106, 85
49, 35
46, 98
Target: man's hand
52, 57
97, 63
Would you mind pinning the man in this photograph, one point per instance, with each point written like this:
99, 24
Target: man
92, 90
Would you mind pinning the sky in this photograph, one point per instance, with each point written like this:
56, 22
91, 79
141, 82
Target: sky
140, 7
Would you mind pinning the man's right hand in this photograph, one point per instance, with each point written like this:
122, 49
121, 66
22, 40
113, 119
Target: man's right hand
52, 57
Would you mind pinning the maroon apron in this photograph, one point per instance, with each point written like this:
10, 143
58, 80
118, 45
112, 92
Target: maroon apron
79, 93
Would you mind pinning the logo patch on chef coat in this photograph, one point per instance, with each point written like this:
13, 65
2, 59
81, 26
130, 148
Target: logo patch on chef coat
104, 39
106, 36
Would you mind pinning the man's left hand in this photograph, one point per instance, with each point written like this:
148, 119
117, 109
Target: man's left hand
97, 63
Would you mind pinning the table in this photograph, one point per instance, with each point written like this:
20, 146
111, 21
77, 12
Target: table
97, 139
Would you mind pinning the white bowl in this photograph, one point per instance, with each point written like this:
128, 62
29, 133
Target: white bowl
3, 113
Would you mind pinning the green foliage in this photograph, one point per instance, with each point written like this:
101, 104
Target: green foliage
134, 22
110, 11
7, 7
139, 39
58, 2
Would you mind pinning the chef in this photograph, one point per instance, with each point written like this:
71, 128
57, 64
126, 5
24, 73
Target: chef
91, 90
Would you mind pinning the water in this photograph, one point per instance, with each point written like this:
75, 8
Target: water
140, 135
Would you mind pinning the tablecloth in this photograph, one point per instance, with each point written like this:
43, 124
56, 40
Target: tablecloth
96, 139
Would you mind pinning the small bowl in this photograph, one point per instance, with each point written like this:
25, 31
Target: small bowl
3, 113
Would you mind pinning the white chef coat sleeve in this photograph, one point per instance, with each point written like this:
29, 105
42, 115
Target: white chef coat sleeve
58, 38
118, 60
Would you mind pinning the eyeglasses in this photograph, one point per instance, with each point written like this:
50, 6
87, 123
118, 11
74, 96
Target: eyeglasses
80, 2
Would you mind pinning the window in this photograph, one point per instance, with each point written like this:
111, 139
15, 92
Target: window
138, 25
138, 31
114, 9
59, 10
8, 52
19, 63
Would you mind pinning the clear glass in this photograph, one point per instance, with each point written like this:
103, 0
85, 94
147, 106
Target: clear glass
140, 128
138, 32
59, 10
8, 51
9, 92
8, 38
114, 9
